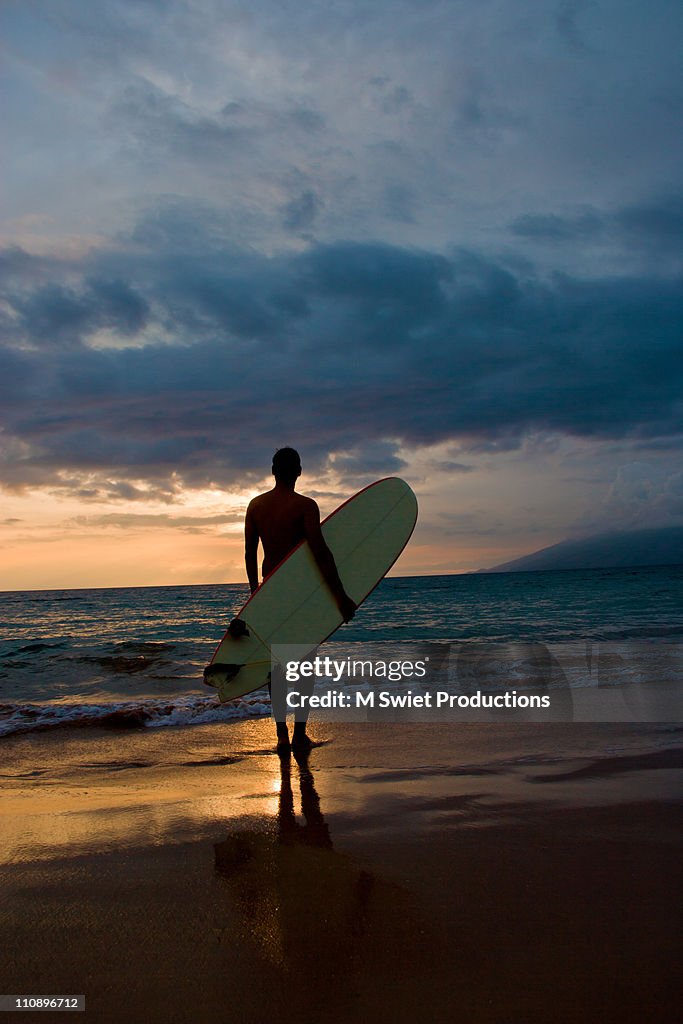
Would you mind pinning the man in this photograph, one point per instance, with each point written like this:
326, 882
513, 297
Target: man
280, 519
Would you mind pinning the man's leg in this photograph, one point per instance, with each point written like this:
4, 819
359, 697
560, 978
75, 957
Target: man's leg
277, 688
300, 740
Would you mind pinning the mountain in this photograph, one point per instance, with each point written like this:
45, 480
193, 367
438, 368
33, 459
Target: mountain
656, 546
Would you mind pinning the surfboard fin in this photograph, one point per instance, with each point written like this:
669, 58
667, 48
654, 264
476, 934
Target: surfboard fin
220, 669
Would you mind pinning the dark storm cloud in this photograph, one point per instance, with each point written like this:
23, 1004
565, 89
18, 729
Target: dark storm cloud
372, 458
20, 268
351, 349
59, 315
655, 224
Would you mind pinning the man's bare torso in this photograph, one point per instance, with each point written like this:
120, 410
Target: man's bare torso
278, 516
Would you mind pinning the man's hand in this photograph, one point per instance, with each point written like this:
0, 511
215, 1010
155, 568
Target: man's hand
347, 607
238, 628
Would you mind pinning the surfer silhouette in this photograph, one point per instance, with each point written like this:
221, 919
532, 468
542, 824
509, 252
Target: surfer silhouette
280, 519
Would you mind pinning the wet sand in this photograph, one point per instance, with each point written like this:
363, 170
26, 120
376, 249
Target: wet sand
472, 873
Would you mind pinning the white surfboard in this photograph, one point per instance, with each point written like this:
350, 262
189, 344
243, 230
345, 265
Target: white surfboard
294, 605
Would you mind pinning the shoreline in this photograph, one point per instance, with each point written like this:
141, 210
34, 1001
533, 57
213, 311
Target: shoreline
402, 872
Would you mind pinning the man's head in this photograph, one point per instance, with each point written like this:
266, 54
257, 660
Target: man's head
286, 465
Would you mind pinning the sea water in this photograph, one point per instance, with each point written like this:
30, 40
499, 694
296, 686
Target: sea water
134, 656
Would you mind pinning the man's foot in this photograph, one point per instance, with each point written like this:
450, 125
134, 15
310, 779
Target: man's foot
301, 743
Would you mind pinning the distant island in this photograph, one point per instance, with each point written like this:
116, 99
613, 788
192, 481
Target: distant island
656, 546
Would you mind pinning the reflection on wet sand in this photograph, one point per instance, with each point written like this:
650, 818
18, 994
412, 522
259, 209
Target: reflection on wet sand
312, 914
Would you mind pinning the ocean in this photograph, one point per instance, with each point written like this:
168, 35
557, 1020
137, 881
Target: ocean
133, 657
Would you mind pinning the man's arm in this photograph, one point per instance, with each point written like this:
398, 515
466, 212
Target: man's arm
325, 560
251, 539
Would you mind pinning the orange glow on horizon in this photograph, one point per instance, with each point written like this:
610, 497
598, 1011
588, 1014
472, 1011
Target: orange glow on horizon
61, 541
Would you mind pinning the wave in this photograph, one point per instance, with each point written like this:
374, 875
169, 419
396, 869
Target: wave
649, 632
34, 648
52, 668
135, 714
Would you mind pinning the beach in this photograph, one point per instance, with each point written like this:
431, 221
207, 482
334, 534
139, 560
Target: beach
495, 872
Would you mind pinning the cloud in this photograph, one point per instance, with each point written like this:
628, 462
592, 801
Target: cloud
557, 228
370, 459
450, 466
653, 224
221, 354
164, 123
413, 122
300, 212
644, 494
568, 13
53, 314
656, 222
130, 521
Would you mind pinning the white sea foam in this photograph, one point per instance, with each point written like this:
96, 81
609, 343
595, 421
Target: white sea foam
151, 714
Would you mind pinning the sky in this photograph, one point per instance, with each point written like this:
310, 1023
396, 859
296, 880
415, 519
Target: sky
439, 239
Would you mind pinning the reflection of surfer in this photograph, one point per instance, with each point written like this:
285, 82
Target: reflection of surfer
302, 905
315, 831
280, 519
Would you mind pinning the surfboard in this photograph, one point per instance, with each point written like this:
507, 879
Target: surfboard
294, 605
